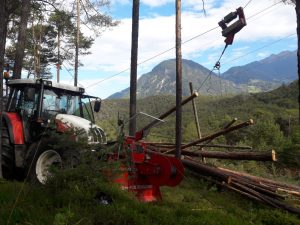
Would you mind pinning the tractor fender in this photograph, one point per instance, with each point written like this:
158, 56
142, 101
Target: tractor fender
15, 128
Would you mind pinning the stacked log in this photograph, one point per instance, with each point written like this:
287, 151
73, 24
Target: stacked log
260, 189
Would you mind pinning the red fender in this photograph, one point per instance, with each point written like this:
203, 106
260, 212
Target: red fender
15, 127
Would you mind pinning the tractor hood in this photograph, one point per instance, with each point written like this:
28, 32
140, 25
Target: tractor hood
94, 133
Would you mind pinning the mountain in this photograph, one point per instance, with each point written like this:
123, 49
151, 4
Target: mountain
265, 74
162, 80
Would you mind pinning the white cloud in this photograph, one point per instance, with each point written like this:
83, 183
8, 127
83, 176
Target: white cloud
122, 2
263, 54
156, 3
107, 88
111, 51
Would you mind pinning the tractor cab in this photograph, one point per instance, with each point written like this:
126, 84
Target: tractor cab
41, 100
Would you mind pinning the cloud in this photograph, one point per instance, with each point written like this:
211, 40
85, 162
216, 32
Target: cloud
111, 51
156, 3
107, 87
122, 2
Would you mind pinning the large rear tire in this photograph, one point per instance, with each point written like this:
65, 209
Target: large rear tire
8, 155
42, 157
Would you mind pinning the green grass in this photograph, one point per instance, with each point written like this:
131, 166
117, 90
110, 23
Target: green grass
68, 199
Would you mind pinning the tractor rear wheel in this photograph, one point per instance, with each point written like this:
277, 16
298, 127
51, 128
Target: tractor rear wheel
42, 158
8, 156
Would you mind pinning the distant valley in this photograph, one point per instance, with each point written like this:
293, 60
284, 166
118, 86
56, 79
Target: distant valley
263, 75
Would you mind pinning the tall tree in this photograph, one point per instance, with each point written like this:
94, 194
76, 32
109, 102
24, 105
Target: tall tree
133, 67
297, 8
2, 50
25, 11
94, 20
62, 21
298, 52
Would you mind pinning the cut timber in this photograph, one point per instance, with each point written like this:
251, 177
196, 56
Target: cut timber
228, 187
263, 190
230, 123
258, 156
171, 145
219, 133
261, 180
169, 112
206, 170
296, 193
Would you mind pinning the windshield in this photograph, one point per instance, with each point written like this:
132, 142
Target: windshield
62, 103
54, 101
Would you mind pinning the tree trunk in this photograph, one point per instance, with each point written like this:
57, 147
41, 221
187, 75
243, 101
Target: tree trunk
77, 45
298, 51
169, 112
25, 10
133, 67
178, 81
206, 170
257, 156
58, 58
219, 133
3, 29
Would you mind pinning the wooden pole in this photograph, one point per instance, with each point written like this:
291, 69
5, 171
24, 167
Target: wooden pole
195, 112
261, 179
133, 67
298, 52
196, 118
206, 170
58, 58
169, 112
178, 80
217, 134
257, 156
171, 145
230, 123
2, 51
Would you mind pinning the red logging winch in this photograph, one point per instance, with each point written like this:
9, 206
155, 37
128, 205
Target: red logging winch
146, 171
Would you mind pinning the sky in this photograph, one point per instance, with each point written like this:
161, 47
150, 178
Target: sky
271, 28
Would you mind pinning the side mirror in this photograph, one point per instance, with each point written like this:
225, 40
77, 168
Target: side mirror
97, 105
29, 94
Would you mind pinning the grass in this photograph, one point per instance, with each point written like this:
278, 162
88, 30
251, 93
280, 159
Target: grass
69, 199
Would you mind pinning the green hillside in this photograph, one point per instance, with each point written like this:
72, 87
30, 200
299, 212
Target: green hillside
278, 106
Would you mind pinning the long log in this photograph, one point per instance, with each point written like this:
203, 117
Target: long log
296, 193
171, 145
276, 184
230, 123
263, 190
217, 134
255, 193
206, 170
228, 187
258, 156
273, 202
169, 112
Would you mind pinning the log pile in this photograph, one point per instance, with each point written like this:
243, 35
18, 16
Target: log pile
256, 188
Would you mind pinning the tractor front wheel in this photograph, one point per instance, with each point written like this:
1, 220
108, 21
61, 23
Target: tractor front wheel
42, 158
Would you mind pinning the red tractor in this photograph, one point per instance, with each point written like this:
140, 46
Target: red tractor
35, 107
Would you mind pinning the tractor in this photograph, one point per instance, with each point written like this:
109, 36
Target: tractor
34, 107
